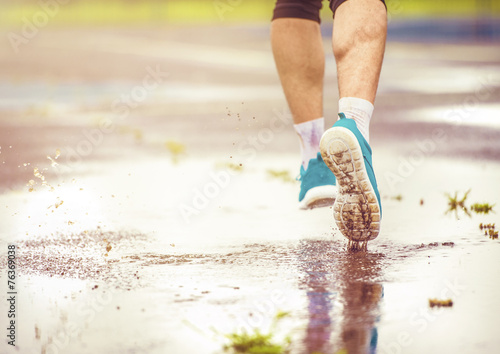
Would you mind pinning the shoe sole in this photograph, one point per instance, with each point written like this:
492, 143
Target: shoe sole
319, 197
356, 210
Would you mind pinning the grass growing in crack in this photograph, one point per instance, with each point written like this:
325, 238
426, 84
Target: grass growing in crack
484, 208
489, 230
176, 149
282, 175
257, 342
455, 204
487, 226
230, 166
492, 234
440, 303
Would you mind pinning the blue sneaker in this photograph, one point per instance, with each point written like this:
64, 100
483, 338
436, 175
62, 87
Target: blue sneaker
357, 209
317, 185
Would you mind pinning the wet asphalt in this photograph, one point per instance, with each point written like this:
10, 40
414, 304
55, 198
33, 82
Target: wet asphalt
148, 183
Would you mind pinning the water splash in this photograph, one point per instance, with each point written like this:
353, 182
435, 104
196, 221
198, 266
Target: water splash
53, 162
357, 246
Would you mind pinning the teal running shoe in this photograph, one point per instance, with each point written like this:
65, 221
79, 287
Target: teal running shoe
357, 209
317, 185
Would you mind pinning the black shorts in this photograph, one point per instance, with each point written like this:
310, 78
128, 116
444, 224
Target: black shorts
306, 9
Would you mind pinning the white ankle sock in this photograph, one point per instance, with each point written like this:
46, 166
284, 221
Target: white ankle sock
309, 135
360, 110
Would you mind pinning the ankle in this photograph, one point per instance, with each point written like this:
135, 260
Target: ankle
360, 111
309, 137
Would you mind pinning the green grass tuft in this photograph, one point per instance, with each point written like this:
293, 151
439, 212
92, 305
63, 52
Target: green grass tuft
257, 342
254, 343
282, 175
489, 230
176, 149
482, 208
456, 204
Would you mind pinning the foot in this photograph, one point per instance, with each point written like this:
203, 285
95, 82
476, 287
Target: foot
317, 185
357, 209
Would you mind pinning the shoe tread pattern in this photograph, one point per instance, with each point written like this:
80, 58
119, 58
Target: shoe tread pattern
356, 210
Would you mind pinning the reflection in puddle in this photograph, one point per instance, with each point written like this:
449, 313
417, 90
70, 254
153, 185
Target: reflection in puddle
343, 291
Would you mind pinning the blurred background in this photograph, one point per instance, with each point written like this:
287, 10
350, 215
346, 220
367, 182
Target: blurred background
474, 19
65, 63
83, 12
